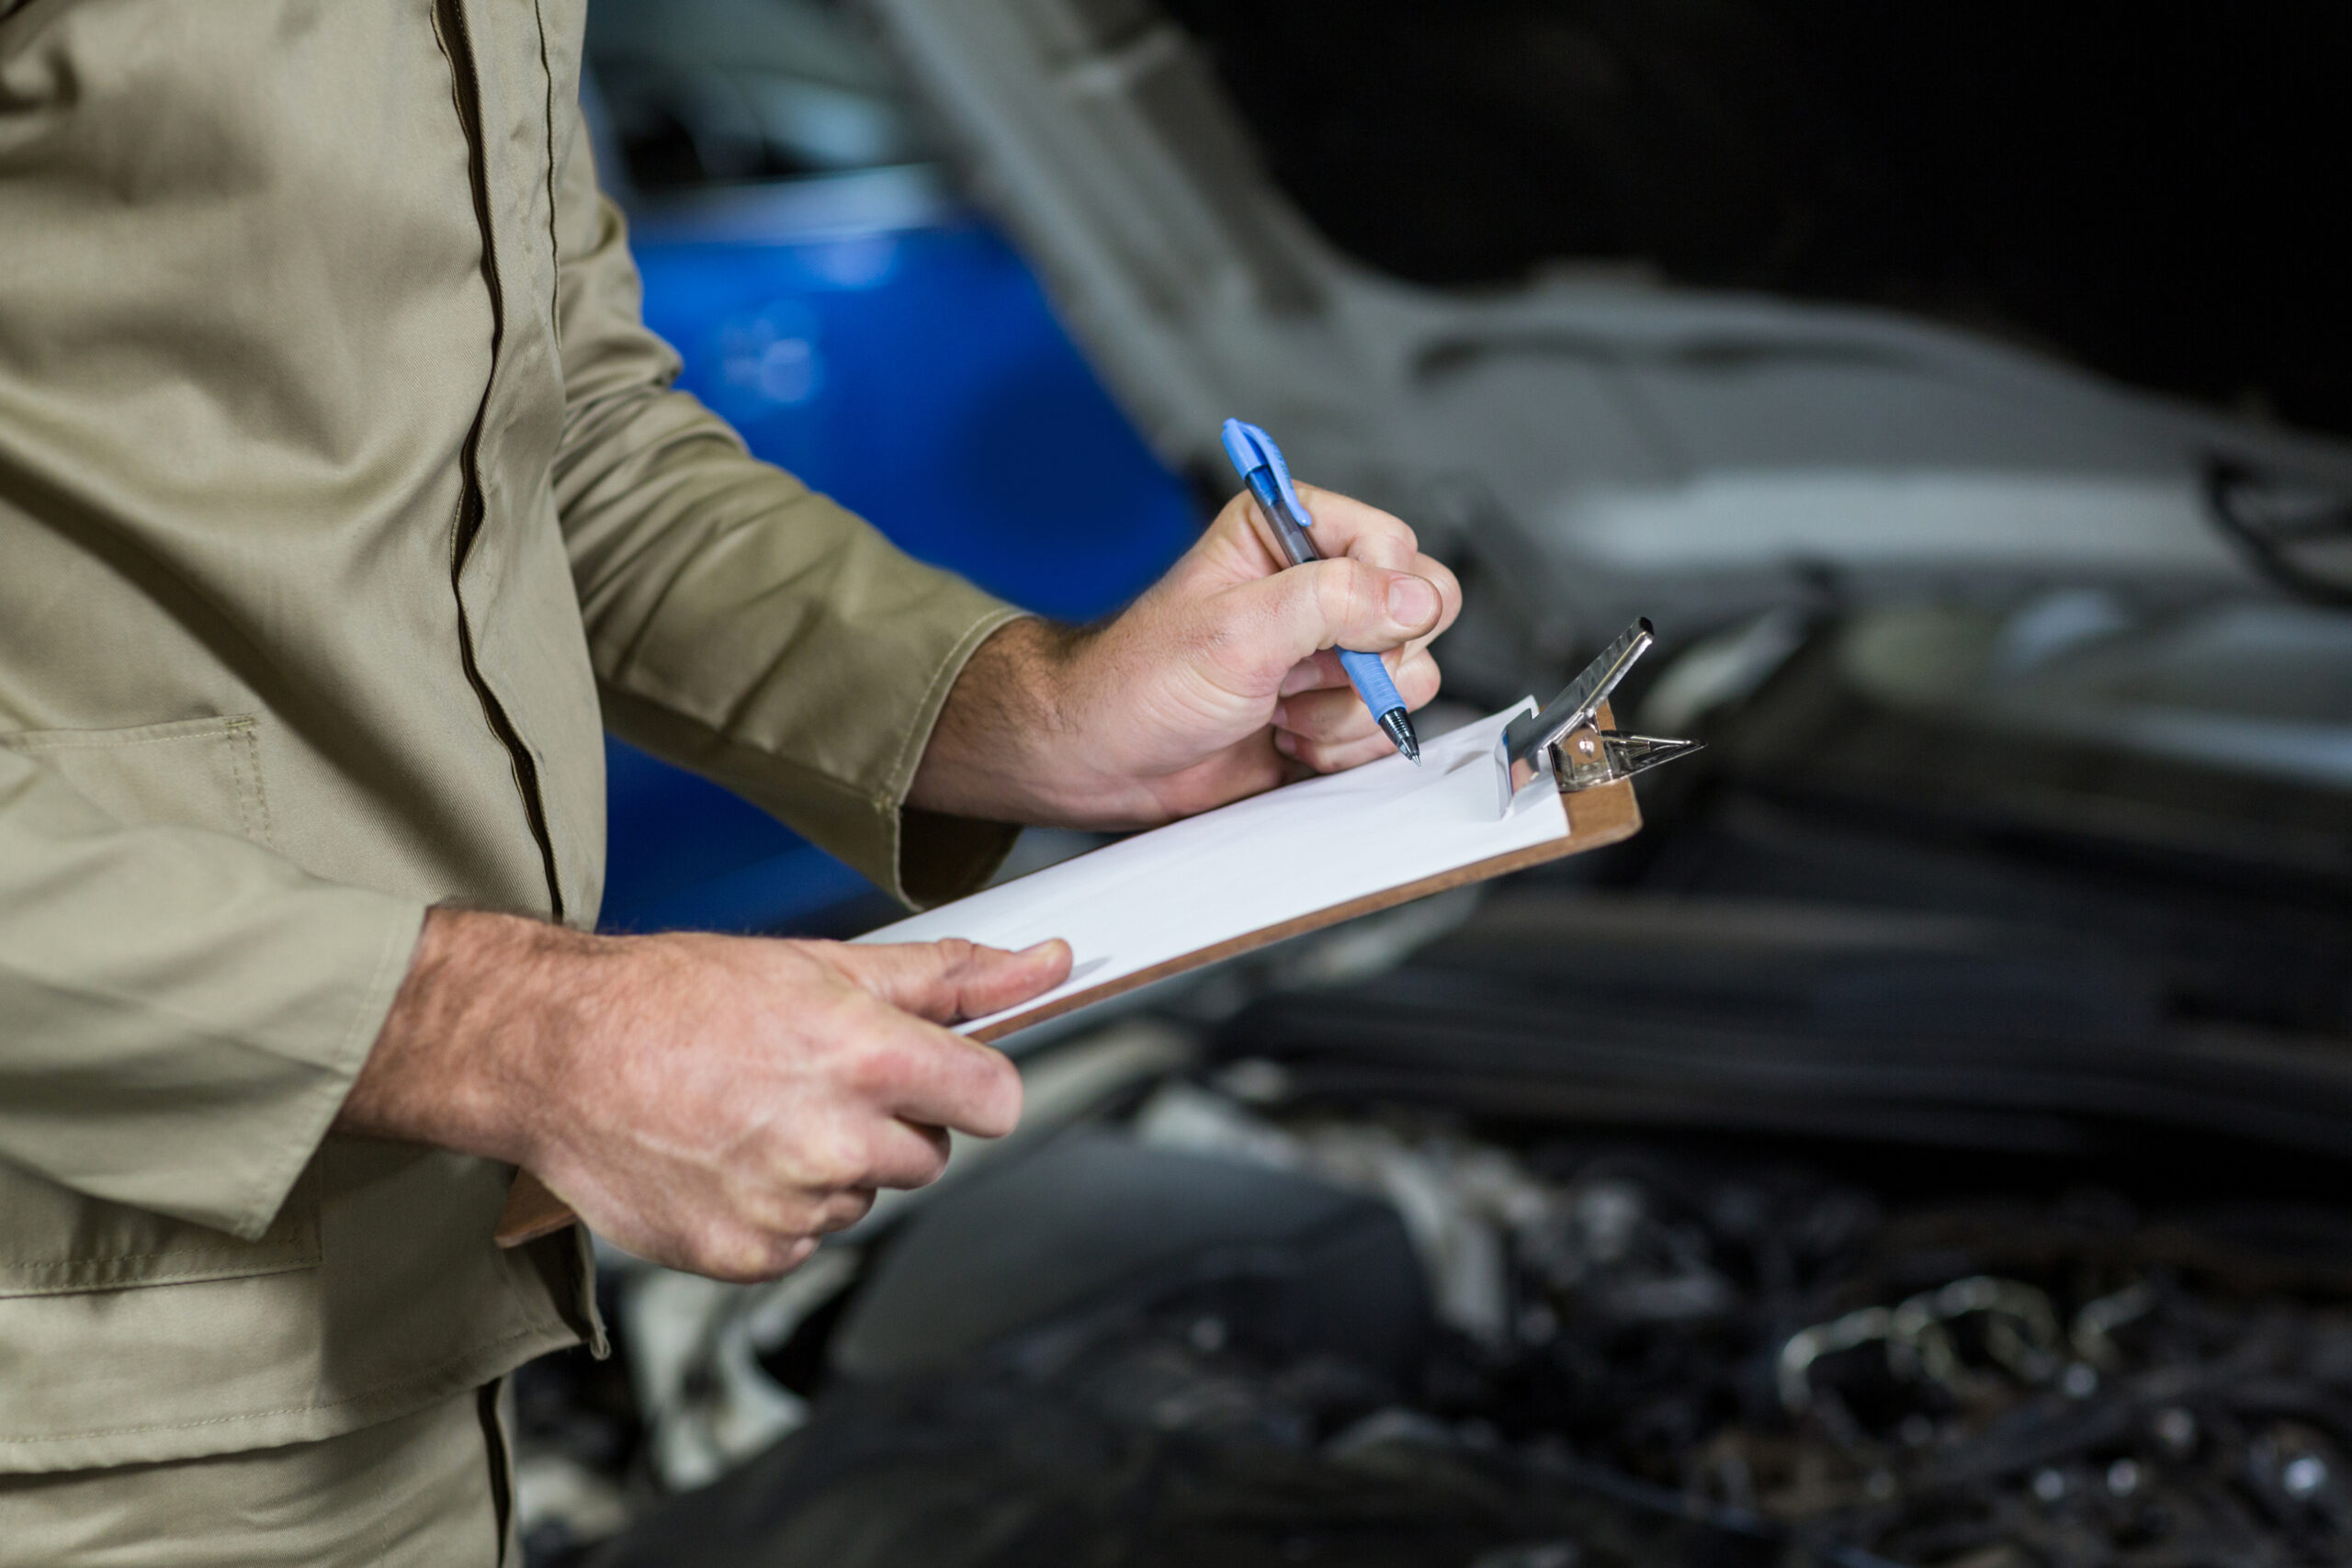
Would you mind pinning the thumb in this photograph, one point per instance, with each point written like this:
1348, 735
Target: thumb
1341, 603
952, 979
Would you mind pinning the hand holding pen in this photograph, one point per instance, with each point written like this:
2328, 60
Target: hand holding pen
1260, 463
1222, 679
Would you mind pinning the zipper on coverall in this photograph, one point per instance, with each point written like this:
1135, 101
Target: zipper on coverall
457, 43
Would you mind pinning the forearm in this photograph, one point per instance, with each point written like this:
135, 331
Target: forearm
474, 1033
1010, 744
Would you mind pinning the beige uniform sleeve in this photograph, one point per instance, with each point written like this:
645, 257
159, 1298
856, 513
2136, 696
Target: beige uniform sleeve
184, 1011
740, 625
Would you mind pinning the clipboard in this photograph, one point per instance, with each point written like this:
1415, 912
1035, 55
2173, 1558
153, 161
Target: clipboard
1512, 791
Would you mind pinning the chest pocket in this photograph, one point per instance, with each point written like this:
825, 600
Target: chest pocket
202, 773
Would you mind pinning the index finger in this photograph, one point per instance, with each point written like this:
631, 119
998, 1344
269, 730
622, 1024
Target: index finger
952, 980
1344, 525
919, 1072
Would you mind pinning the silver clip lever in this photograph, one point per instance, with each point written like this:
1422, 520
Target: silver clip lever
1564, 741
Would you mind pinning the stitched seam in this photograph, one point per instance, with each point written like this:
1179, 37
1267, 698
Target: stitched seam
243, 784
13, 1288
334, 1084
253, 793
70, 740
473, 503
439, 1369
555, 250
252, 1250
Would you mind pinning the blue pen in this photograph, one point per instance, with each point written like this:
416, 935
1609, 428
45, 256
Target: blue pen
1260, 463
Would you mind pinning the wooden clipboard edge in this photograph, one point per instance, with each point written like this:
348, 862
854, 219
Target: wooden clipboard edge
1597, 817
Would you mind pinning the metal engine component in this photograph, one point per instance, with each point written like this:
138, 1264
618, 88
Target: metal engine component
1946, 1381
1624, 1348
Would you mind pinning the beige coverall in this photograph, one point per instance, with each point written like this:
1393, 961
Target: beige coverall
343, 504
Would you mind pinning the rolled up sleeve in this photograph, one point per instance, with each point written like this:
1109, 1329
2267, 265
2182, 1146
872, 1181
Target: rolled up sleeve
741, 625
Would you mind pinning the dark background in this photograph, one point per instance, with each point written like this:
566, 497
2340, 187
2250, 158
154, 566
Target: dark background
2157, 191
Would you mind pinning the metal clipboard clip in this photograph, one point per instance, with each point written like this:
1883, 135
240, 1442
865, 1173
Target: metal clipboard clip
1565, 741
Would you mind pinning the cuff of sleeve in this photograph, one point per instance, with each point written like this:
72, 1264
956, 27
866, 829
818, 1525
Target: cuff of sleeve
399, 924
193, 1071
813, 691
934, 858
943, 858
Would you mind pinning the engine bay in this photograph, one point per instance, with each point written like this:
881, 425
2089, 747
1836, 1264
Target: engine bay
1932, 1158
1386, 1334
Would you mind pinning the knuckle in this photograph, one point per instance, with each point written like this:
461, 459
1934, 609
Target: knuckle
782, 1254
1393, 537
829, 1160
835, 1015
930, 1167
999, 1108
878, 1069
1449, 587
1340, 719
1346, 591
843, 1210
1422, 678
734, 1253
785, 1254
1337, 756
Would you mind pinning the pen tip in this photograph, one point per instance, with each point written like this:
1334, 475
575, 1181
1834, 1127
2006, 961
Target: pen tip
1398, 727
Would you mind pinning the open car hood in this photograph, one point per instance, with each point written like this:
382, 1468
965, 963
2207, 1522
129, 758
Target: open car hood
1605, 447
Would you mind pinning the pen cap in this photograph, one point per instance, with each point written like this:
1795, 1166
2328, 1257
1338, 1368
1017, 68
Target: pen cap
1249, 448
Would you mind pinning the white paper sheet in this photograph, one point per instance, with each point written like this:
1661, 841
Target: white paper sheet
1257, 864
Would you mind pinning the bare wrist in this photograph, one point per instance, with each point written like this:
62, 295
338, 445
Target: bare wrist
474, 1036
1007, 740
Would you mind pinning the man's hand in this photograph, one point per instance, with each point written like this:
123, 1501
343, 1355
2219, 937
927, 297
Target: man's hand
714, 1103
1217, 683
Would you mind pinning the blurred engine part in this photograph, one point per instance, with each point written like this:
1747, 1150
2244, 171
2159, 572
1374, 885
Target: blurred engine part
1933, 1379
1093, 1213
1634, 1351
2300, 534
1229, 1381
1763, 1234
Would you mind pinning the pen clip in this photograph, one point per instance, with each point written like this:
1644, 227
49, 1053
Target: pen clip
1249, 448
